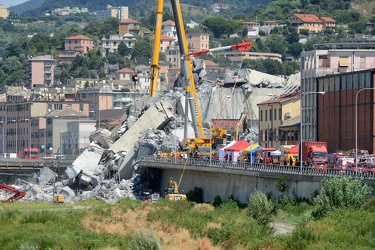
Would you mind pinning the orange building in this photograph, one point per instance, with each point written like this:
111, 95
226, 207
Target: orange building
130, 26
306, 22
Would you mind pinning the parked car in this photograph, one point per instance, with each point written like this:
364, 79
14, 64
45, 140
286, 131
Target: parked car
319, 166
361, 168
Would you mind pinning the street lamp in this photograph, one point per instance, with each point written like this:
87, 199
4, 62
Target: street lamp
356, 127
308, 93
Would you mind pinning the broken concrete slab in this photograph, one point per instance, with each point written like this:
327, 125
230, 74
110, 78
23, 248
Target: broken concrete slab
155, 116
67, 191
46, 175
87, 162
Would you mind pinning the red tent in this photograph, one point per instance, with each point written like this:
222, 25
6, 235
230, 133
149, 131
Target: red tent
293, 150
238, 146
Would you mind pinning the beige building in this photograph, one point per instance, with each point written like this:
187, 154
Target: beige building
110, 45
166, 43
3, 12
98, 99
198, 41
279, 120
172, 55
25, 122
121, 13
311, 22
125, 74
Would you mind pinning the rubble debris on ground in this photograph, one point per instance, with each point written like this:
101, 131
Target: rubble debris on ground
108, 169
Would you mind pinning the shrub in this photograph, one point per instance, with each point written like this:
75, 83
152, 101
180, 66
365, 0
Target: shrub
217, 201
281, 184
229, 204
369, 205
195, 195
144, 241
344, 192
260, 208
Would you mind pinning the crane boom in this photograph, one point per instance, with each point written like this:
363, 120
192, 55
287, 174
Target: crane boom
238, 46
186, 71
155, 58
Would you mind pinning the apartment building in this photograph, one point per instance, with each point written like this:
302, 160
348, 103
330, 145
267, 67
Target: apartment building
331, 58
198, 41
40, 71
25, 122
166, 43
78, 43
345, 113
98, 99
311, 22
169, 29
173, 55
110, 45
76, 138
121, 13
279, 119
129, 26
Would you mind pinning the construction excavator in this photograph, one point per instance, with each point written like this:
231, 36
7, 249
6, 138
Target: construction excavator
15, 194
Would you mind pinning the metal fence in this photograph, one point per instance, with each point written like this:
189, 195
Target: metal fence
306, 170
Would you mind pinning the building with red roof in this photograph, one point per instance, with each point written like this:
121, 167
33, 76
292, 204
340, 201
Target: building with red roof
79, 43
130, 26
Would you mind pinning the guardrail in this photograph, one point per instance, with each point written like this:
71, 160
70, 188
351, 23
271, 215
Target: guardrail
18, 163
261, 167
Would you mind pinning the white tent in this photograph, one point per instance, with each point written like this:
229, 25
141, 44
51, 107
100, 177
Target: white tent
222, 150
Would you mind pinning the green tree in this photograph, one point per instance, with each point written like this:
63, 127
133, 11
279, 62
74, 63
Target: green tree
110, 27
141, 52
93, 29
123, 50
221, 26
295, 49
304, 32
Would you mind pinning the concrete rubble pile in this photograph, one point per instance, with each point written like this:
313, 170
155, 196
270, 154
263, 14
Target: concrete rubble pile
108, 168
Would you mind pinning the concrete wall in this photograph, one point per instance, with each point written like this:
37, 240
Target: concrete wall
240, 183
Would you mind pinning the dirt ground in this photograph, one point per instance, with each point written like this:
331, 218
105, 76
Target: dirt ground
282, 228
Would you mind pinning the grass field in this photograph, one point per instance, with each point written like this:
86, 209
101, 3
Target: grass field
176, 225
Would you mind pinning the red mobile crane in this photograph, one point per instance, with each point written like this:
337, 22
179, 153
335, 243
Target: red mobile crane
16, 193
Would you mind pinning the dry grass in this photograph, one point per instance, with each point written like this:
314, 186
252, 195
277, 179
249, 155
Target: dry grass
204, 207
128, 223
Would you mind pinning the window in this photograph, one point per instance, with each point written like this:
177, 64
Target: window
279, 114
265, 115
274, 114
270, 114
261, 115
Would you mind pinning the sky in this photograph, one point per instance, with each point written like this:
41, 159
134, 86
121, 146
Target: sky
10, 3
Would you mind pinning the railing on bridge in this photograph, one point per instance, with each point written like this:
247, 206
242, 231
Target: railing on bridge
261, 167
19, 163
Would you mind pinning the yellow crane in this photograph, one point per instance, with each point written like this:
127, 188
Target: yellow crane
241, 120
